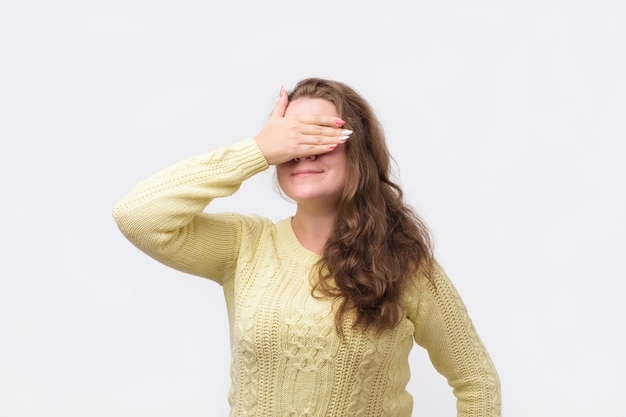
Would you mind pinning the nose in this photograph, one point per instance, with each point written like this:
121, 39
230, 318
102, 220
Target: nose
305, 158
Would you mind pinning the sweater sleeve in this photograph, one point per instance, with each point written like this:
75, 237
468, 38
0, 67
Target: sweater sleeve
164, 214
444, 328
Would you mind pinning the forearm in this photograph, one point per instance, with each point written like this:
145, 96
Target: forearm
192, 183
163, 215
456, 350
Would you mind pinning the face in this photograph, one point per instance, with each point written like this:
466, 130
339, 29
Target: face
317, 181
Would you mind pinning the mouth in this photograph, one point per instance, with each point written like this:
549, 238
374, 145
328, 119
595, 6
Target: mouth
305, 172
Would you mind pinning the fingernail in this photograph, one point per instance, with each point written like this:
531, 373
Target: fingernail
346, 132
340, 122
343, 138
332, 146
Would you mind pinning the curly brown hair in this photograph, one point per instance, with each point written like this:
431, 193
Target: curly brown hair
380, 243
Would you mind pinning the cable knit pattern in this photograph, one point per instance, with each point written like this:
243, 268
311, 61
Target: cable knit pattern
287, 359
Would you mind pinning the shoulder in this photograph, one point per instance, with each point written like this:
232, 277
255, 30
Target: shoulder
254, 227
254, 222
426, 286
248, 223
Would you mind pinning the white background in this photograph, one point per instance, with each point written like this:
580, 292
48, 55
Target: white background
507, 120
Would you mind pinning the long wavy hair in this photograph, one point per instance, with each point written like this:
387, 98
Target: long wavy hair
380, 243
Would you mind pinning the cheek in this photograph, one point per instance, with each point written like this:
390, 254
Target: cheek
338, 161
335, 157
281, 173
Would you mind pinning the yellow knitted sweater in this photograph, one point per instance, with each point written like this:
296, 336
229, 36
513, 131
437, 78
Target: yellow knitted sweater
287, 359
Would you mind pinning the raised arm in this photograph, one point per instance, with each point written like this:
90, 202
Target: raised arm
163, 215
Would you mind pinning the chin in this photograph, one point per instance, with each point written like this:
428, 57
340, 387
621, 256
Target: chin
315, 194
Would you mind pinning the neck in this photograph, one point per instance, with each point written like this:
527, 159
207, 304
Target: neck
313, 230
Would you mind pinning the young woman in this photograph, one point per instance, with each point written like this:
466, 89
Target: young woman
325, 305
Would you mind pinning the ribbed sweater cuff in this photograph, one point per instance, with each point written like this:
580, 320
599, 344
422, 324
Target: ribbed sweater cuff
248, 157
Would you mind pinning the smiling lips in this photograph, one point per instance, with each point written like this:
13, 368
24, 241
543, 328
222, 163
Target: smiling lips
303, 172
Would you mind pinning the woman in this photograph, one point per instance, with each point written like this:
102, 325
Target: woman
324, 306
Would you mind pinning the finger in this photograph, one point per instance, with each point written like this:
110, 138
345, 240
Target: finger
281, 104
318, 119
323, 131
321, 149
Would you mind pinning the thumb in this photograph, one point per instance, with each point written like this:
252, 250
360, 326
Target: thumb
281, 105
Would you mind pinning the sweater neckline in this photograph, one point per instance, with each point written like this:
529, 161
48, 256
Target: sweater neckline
291, 243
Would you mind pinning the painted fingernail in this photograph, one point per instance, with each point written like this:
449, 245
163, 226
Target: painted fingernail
332, 146
340, 122
343, 138
346, 132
